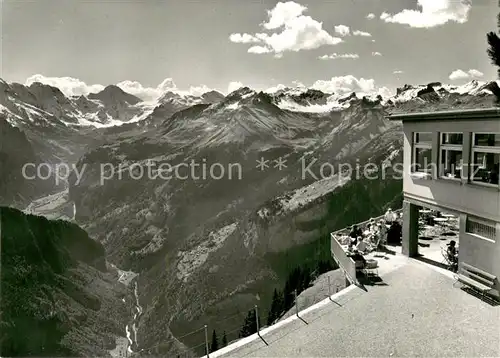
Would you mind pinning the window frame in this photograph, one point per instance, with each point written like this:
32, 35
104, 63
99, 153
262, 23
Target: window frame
419, 145
481, 149
449, 147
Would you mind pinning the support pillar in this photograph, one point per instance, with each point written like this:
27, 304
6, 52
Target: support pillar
410, 229
466, 158
435, 155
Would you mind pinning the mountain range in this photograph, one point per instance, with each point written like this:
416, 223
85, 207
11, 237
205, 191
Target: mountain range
45, 105
203, 245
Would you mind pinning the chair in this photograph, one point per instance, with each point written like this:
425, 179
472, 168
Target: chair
359, 266
371, 268
379, 252
450, 265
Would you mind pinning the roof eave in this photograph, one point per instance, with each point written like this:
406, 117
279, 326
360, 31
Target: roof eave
465, 114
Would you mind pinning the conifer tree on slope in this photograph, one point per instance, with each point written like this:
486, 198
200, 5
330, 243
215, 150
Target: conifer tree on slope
215, 342
250, 325
224, 339
276, 307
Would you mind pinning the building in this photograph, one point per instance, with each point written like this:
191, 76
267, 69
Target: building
451, 164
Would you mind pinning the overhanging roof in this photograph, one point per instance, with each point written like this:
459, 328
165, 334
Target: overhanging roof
462, 114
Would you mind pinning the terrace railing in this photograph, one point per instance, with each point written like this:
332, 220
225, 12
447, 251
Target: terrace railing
346, 263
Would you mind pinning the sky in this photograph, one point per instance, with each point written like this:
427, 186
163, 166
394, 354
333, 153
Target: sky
149, 46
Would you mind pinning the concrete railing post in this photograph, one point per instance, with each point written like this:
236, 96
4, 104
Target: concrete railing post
206, 341
257, 319
329, 288
296, 304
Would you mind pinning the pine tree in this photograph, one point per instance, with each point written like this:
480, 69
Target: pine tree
275, 310
494, 49
224, 339
494, 53
250, 324
288, 295
215, 343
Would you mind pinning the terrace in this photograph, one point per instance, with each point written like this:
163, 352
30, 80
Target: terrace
436, 231
411, 308
415, 312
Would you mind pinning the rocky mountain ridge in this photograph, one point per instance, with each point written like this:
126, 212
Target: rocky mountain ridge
219, 241
46, 105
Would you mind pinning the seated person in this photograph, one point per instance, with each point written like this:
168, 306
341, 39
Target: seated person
358, 259
394, 233
369, 227
352, 243
361, 246
389, 216
452, 252
382, 233
355, 232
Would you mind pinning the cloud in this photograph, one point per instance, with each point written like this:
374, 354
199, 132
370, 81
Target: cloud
370, 16
376, 53
233, 86
276, 88
147, 93
345, 84
153, 93
299, 84
259, 49
342, 30
199, 90
385, 92
243, 38
475, 73
432, 13
282, 14
397, 72
361, 33
462, 75
335, 56
293, 31
340, 85
69, 86
75, 87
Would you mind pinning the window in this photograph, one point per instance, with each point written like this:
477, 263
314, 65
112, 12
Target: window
480, 227
485, 158
422, 152
450, 162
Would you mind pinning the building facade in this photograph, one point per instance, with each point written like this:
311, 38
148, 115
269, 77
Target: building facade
451, 164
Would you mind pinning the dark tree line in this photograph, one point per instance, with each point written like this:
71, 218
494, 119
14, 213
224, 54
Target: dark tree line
297, 281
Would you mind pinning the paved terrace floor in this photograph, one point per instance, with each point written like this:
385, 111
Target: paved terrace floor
414, 311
